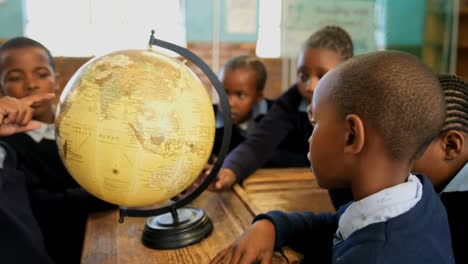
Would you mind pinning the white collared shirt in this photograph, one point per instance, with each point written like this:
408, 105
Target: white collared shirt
3, 154
46, 131
259, 109
303, 106
380, 206
459, 183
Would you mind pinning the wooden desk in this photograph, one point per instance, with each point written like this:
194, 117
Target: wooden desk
292, 189
108, 241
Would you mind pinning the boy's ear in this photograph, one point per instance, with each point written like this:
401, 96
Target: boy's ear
354, 134
452, 142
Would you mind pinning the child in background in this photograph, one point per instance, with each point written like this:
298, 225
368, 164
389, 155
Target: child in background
280, 138
243, 78
59, 204
444, 162
364, 113
22, 240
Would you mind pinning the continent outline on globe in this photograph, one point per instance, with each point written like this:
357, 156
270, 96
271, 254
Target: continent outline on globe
135, 127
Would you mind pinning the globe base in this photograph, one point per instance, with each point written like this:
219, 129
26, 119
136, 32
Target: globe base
178, 229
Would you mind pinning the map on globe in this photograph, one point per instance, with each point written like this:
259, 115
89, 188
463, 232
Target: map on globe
135, 127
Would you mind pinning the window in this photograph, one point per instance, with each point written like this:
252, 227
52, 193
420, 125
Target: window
94, 27
269, 29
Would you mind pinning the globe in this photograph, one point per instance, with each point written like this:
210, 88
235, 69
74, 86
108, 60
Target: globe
134, 127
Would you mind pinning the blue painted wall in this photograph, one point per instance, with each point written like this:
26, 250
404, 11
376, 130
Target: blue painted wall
405, 22
11, 18
199, 22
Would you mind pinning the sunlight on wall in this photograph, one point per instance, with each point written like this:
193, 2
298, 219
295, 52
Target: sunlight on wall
269, 29
86, 28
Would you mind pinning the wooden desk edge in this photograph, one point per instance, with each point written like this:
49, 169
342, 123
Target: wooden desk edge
240, 192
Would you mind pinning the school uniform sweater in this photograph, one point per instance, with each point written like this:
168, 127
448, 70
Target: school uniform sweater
454, 197
59, 204
21, 238
420, 235
239, 132
455, 204
279, 139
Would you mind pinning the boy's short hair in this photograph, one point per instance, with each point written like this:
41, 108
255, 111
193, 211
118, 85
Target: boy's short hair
456, 98
399, 96
333, 38
251, 63
24, 42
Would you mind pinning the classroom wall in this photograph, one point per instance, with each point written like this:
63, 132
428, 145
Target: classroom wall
11, 18
199, 22
403, 24
404, 21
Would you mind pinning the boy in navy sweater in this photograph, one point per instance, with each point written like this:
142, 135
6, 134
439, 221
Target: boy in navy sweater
444, 163
22, 240
364, 137
59, 204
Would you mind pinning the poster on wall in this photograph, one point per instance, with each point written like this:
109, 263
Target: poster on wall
241, 16
301, 18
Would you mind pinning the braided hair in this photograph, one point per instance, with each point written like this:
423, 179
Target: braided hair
333, 38
456, 98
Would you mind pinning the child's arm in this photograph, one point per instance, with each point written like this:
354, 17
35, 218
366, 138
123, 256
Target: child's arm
16, 114
261, 144
256, 243
308, 233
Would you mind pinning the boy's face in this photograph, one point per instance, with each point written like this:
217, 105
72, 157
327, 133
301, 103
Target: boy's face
313, 63
240, 86
325, 146
27, 71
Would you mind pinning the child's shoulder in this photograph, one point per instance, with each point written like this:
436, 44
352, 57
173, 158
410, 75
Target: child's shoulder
291, 99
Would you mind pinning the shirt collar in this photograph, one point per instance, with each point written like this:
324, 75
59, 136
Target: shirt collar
3, 154
303, 106
459, 183
260, 108
45, 131
380, 206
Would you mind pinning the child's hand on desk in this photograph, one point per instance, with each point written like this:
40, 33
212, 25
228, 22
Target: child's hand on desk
256, 244
16, 114
223, 181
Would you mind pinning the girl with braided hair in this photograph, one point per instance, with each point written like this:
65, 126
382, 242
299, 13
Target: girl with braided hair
445, 161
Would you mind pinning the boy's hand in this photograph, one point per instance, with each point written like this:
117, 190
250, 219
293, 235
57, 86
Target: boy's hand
223, 181
16, 114
256, 244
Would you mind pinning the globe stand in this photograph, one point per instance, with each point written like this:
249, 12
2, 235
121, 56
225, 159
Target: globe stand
177, 229
175, 226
